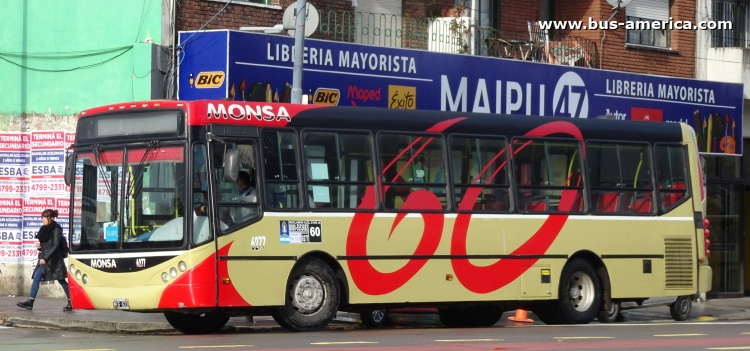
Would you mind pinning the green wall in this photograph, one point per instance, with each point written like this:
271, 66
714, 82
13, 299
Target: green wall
61, 57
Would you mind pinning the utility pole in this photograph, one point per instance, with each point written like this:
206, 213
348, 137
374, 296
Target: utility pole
299, 48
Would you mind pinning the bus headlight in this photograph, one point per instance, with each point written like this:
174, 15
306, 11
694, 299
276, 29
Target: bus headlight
85, 279
182, 266
78, 275
165, 277
173, 272
72, 269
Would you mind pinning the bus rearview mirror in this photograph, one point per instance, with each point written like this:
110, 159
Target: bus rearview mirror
70, 169
231, 165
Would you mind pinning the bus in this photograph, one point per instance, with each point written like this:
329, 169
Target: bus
363, 209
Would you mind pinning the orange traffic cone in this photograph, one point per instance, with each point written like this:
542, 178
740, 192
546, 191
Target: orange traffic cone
521, 317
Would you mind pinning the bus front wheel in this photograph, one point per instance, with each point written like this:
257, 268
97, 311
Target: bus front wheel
312, 297
204, 323
580, 295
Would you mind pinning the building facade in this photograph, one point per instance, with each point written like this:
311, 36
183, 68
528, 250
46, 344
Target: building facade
58, 59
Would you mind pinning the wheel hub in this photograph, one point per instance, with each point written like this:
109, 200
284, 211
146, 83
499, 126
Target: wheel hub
581, 291
308, 294
378, 315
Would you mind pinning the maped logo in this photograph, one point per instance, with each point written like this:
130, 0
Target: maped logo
571, 98
209, 80
325, 96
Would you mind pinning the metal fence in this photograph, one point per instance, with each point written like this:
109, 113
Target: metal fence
454, 35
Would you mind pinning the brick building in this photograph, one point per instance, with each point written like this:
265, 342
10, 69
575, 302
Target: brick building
347, 20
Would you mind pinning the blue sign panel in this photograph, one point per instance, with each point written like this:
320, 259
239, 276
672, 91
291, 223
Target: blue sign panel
259, 67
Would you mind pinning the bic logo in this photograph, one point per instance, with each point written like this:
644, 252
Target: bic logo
325, 96
571, 98
209, 80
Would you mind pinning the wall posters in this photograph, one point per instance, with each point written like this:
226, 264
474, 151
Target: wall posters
31, 180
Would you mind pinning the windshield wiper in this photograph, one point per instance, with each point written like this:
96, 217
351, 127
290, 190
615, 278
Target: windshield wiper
136, 179
102, 169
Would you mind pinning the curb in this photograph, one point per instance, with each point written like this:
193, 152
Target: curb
89, 326
142, 328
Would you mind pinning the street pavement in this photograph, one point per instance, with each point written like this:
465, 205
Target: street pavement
48, 314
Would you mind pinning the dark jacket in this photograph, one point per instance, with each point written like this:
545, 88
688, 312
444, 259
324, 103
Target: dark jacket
54, 269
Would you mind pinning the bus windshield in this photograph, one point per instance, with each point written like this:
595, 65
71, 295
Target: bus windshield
129, 198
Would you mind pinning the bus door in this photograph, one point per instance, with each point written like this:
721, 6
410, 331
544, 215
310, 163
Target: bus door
235, 203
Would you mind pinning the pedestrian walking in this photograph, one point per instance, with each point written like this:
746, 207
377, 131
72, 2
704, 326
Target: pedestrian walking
51, 264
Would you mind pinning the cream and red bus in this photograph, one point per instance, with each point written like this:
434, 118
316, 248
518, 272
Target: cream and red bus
360, 209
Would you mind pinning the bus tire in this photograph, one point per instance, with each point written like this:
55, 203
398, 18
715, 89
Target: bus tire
580, 294
474, 316
611, 315
374, 318
312, 297
204, 323
681, 308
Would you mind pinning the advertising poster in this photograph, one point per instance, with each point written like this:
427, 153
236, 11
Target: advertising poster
31, 180
244, 66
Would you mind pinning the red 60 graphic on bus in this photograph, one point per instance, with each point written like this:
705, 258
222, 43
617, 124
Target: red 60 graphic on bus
475, 278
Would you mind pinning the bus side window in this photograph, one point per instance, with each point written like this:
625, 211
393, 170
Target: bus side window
620, 177
548, 176
412, 163
480, 169
280, 164
338, 168
671, 175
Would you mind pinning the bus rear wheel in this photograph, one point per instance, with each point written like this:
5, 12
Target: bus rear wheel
580, 294
375, 317
312, 297
610, 315
681, 308
474, 316
204, 323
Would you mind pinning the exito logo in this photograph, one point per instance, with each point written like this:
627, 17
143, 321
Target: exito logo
570, 98
206, 80
402, 97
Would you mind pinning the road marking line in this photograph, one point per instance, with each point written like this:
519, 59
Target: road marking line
583, 337
467, 340
342, 342
745, 333
214, 346
3, 327
679, 334
730, 348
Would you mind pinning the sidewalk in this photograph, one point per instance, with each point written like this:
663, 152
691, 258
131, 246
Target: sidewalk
48, 314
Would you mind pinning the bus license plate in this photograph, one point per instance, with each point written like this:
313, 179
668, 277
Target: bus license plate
121, 304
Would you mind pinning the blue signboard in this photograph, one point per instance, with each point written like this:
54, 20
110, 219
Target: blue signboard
258, 67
